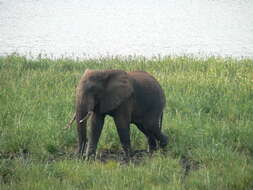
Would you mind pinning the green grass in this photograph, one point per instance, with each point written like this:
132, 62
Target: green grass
208, 118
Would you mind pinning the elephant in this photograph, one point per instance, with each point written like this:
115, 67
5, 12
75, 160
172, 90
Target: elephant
129, 97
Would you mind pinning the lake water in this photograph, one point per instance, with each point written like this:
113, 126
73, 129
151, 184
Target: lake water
126, 27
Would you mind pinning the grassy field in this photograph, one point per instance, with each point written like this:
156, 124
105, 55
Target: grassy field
208, 118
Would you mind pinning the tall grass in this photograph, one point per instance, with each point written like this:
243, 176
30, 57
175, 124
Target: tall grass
208, 118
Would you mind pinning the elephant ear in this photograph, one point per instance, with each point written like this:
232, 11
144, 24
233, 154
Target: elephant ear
117, 89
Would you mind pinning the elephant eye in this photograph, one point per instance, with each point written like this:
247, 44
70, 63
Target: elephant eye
92, 88
89, 87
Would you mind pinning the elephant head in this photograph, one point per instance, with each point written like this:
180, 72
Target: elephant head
102, 92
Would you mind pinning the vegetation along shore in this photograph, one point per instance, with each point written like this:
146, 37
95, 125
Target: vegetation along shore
208, 118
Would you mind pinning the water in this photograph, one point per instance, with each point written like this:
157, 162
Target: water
126, 27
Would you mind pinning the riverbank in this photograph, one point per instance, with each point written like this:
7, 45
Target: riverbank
208, 118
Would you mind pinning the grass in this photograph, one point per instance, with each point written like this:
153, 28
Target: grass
208, 118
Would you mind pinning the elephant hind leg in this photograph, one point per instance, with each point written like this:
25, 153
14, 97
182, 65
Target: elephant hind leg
155, 130
160, 136
151, 138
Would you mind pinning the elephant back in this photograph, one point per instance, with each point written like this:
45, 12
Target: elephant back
147, 91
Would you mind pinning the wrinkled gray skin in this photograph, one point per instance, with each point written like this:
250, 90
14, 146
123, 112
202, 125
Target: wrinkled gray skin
129, 97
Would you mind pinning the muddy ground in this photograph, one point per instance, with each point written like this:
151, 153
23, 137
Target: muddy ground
105, 155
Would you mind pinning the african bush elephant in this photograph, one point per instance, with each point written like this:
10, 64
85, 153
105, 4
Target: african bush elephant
129, 97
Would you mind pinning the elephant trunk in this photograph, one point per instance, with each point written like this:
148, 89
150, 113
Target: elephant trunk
84, 111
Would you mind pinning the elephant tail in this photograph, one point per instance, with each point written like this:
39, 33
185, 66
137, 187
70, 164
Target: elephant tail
161, 121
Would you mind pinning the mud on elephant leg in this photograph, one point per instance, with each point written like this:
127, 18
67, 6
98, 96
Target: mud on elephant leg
97, 122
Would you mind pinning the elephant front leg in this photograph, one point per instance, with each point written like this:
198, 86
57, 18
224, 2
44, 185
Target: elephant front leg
123, 130
96, 125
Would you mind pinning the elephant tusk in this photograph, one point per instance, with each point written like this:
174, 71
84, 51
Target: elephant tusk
70, 122
81, 121
86, 117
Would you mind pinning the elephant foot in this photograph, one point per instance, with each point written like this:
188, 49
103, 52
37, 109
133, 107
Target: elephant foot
128, 153
91, 157
164, 141
152, 145
151, 149
125, 159
90, 154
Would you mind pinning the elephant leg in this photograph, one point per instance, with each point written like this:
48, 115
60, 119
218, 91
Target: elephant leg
123, 130
155, 130
151, 138
97, 122
161, 137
